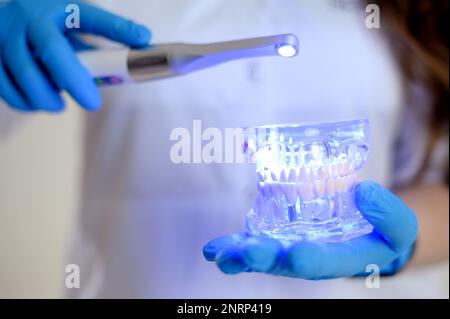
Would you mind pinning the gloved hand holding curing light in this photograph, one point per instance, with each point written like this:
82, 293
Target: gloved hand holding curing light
389, 246
37, 60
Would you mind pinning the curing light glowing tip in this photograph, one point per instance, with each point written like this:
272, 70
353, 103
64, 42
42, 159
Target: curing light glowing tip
287, 50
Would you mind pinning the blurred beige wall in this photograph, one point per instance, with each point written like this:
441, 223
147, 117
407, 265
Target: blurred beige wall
39, 174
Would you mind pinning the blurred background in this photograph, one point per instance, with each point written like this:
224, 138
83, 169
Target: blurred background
34, 231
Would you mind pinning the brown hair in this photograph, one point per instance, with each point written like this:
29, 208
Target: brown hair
418, 33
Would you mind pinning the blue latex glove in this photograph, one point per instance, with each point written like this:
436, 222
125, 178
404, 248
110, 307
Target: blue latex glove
37, 59
389, 246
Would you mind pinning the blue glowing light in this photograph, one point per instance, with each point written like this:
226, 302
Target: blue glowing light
287, 51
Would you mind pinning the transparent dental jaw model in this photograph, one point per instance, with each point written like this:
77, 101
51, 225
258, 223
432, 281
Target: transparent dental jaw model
306, 180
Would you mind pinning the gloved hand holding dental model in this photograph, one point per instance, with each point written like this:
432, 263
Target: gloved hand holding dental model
389, 245
37, 58
315, 221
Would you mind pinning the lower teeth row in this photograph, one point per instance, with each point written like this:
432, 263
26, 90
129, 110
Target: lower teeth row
341, 205
309, 201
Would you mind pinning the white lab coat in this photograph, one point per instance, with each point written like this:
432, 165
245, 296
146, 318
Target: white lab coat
144, 220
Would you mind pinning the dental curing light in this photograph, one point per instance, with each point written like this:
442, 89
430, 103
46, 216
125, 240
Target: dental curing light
168, 60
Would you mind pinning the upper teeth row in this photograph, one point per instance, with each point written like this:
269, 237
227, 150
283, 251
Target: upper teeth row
306, 191
306, 173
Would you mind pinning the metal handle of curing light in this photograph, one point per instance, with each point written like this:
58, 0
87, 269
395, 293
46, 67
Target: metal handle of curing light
167, 60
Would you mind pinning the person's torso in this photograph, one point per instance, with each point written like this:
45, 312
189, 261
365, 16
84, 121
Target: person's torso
145, 218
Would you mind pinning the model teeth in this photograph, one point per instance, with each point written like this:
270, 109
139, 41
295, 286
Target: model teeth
319, 188
306, 179
303, 174
292, 175
277, 190
306, 185
330, 189
283, 177
260, 177
306, 191
290, 192
339, 184
322, 173
274, 176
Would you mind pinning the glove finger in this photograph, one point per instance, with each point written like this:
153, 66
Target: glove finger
10, 93
262, 254
230, 260
100, 22
390, 216
212, 248
28, 75
238, 253
59, 59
